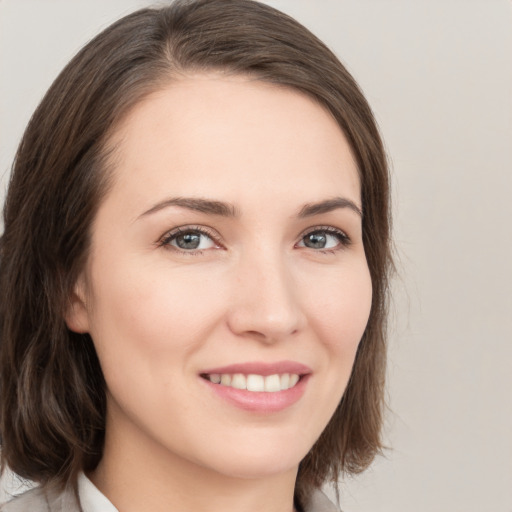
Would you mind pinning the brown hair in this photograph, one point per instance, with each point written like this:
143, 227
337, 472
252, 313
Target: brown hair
52, 388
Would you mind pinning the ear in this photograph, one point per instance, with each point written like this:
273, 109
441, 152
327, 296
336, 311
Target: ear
77, 314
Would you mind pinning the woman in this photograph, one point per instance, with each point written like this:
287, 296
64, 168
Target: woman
193, 270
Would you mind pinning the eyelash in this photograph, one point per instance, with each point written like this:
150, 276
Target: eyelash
342, 237
166, 240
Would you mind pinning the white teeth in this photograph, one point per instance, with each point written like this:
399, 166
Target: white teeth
225, 379
272, 383
239, 381
215, 378
294, 378
253, 382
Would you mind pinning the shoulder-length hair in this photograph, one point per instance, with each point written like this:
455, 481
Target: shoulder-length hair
52, 388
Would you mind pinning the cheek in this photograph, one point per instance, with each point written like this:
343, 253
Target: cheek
146, 312
340, 310
338, 315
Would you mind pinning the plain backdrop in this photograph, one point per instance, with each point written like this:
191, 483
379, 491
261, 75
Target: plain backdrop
438, 74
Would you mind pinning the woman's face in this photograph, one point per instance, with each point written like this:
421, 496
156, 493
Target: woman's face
228, 248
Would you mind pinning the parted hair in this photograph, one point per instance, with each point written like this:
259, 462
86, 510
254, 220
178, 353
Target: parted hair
52, 390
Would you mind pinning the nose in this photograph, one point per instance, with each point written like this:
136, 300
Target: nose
265, 300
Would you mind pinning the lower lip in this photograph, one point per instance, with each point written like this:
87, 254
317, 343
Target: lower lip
259, 401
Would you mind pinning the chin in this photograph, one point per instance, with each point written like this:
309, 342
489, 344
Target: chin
259, 460
260, 469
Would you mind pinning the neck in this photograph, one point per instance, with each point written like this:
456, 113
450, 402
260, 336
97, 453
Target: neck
143, 476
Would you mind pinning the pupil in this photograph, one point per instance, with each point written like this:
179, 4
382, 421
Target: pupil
316, 241
188, 241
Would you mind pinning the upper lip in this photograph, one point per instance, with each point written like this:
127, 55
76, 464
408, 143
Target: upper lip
261, 368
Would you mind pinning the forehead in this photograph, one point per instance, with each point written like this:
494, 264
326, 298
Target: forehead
231, 137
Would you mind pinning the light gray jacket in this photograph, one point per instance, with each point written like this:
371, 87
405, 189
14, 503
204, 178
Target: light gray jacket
37, 500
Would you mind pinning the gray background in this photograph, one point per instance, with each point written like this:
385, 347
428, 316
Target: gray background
438, 74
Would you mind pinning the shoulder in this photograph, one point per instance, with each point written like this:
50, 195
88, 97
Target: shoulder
319, 502
34, 500
41, 500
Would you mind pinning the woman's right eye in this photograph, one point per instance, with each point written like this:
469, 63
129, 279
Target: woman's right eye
189, 240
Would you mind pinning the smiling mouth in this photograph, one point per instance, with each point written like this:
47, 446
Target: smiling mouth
254, 382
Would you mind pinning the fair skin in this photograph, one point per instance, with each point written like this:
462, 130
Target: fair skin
270, 271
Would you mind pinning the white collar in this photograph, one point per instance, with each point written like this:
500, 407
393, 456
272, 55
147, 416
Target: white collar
91, 498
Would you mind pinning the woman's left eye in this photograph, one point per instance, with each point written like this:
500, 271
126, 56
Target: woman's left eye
322, 239
189, 240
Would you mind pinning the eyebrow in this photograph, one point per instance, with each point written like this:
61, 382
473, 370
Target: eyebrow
223, 209
329, 205
207, 206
